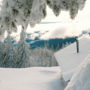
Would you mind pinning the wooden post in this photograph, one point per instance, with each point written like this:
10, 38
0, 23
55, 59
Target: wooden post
77, 44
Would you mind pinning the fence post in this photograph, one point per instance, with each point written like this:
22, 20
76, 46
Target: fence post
77, 44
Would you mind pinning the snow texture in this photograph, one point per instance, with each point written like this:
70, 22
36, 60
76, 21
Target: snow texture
80, 79
69, 59
31, 79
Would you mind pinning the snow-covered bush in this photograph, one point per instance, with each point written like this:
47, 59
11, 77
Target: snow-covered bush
81, 78
42, 57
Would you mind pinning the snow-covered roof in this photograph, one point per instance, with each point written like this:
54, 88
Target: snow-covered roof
69, 59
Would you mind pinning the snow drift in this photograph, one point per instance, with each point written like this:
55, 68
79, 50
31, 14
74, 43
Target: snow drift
69, 59
38, 78
81, 78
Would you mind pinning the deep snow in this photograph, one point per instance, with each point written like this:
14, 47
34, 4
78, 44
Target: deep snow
36, 78
50, 78
81, 78
69, 59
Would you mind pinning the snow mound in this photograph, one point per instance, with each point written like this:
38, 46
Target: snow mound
81, 78
36, 78
69, 59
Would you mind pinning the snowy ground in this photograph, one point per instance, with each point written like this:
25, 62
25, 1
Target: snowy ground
81, 78
37, 78
69, 59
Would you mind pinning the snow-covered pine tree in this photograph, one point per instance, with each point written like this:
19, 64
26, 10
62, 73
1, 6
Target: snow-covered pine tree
2, 53
23, 52
42, 57
48, 57
9, 59
24, 12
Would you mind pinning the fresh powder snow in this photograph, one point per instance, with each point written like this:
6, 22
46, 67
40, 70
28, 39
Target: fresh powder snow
80, 79
69, 59
36, 78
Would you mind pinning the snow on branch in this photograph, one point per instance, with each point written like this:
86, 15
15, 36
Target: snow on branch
24, 12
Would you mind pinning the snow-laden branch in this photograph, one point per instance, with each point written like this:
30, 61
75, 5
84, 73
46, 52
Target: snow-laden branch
24, 12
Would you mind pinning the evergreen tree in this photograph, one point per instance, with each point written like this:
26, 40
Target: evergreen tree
2, 53
9, 58
23, 52
42, 57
